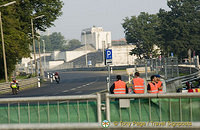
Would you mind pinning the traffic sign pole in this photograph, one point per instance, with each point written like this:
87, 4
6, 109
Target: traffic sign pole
108, 77
108, 61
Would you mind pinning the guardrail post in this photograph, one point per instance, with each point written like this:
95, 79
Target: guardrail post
156, 66
99, 107
165, 68
54, 76
51, 76
146, 69
177, 67
38, 81
107, 107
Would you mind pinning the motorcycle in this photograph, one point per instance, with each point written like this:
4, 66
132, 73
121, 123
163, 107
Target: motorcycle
15, 89
57, 78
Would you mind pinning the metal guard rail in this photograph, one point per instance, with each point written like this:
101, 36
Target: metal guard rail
150, 96
55, 98
183, 78
166, 95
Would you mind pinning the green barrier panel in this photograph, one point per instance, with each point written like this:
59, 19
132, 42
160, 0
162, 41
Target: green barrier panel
52, 113
184, 109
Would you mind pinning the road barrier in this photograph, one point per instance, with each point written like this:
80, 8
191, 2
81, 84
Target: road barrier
154, 107
87, 111
25, 83
55, 109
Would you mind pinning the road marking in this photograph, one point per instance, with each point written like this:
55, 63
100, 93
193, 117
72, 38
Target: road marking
80, 86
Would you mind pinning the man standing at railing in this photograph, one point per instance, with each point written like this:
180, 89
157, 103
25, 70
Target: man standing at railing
138, 84
152, 86
119, 86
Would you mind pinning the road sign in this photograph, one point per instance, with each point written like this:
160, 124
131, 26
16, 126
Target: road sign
89, 62
108, 56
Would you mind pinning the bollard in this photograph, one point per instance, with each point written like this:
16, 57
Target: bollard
54, 76
51, 76
38, 82
111, 71
48, 75
108, 84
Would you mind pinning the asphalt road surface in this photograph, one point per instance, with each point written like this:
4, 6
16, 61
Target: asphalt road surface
71, 83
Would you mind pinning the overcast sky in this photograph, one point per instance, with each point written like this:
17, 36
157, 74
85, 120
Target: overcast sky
109, 14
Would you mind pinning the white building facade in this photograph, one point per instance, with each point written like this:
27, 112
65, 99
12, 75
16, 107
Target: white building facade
96, 37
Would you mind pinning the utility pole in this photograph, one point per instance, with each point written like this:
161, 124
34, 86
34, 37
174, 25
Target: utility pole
85, 50
44, 54
36, 68
2, 38
4, 54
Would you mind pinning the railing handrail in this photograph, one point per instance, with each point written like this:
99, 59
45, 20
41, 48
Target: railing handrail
148, 95
183, 77
49, 98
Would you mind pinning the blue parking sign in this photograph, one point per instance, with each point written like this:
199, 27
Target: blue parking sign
108, 54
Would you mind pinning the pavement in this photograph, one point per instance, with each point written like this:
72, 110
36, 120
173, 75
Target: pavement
71, 83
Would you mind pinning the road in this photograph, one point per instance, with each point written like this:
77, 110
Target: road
72, 83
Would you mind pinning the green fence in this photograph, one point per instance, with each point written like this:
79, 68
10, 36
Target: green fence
157, 110
49, 113
88, 109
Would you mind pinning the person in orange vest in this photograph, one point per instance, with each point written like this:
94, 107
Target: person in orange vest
138, 84
119, 86
152, 86
159, 84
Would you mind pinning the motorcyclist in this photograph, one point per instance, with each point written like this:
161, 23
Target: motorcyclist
14, 85
57, 77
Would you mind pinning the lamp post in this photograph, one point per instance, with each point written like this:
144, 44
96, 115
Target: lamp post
36, 72
44, 54
85, 49
3, 46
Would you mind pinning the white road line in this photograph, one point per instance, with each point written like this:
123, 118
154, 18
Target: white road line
79, 86
66, 91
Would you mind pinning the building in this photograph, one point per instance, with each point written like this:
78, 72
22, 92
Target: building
96, 37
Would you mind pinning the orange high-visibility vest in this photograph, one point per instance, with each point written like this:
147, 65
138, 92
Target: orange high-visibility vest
138, 85
153, 88
159, 84
120, 87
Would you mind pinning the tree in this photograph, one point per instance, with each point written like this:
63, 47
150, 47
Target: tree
141, 31
73, 44
17, 28
180, 28
55, 41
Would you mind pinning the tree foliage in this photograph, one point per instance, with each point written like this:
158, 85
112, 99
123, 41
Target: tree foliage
177, 30
180, 28
73, 44
16, 21
141, 31
55, 41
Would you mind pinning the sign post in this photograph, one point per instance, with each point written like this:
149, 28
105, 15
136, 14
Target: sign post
108, 62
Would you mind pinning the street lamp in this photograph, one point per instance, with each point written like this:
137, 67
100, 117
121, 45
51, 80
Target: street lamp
85, 48
4, 54
34, 40
44, 54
